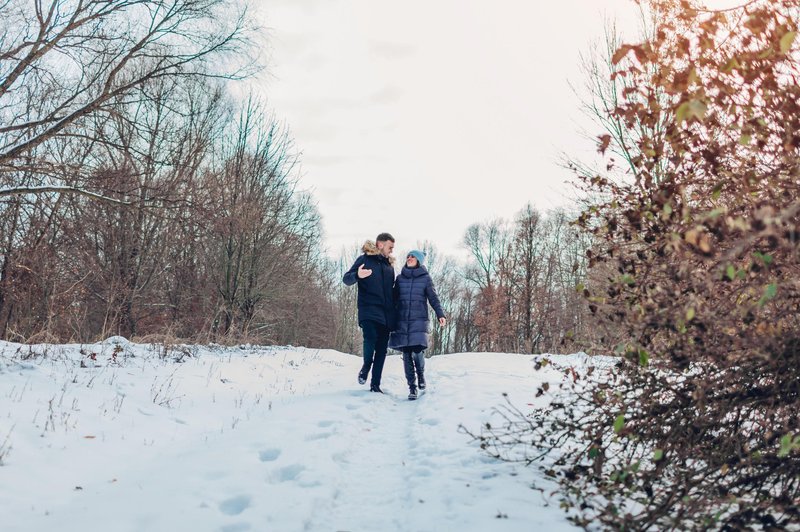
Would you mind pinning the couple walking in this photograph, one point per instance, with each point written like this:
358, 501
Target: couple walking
393, 312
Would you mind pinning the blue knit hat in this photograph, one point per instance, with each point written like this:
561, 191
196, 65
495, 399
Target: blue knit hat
417, 254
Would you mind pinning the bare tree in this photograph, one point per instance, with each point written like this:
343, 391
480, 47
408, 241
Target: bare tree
485, 242
263, 226
528, 246
346, 337
150, 149
604, 89
65, 63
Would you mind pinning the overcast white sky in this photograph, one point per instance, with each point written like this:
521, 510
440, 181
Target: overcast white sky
422, 117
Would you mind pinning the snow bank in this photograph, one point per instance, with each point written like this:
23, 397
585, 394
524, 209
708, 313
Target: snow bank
580, 359
127, 437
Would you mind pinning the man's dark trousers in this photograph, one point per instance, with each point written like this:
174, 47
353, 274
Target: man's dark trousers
376, 342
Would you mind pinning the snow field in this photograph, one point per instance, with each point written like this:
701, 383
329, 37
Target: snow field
253, 438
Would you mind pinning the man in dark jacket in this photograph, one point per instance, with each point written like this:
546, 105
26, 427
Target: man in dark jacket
374, 273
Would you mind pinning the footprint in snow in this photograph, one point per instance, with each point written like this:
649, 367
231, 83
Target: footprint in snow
352, 407
340, 458
235, 505
269, 455
325, 423
430, 422
288, 473
320, 436
426, 463
236, 527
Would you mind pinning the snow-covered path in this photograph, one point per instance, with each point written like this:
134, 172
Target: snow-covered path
256, 439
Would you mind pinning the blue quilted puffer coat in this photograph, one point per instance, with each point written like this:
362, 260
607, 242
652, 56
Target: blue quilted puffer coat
413, 291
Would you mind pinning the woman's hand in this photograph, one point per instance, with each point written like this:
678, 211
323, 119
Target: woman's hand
442, 322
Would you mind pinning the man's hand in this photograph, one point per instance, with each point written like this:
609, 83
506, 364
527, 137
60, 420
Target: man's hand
363, 273
442, 322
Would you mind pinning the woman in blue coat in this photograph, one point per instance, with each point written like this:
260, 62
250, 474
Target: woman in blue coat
414, 290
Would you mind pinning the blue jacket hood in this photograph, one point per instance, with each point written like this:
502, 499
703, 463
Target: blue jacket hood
419, 271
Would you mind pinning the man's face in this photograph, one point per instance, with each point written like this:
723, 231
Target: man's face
386, 248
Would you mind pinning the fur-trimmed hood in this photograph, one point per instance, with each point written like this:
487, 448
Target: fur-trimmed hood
371, 248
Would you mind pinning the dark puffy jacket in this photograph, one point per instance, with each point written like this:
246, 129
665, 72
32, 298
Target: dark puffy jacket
414, 290
375, 293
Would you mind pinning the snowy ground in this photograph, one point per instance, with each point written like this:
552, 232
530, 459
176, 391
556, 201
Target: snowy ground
255, 439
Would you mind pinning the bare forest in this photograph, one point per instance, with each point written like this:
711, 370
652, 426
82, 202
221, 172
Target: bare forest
137, 196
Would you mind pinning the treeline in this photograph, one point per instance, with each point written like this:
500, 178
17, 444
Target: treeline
515, 293
137, 196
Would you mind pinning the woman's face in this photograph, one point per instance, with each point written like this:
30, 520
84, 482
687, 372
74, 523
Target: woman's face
411, 261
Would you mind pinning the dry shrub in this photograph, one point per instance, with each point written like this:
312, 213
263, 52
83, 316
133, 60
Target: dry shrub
698, 428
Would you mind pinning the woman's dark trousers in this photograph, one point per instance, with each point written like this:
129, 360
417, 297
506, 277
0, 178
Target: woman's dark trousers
414, 363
